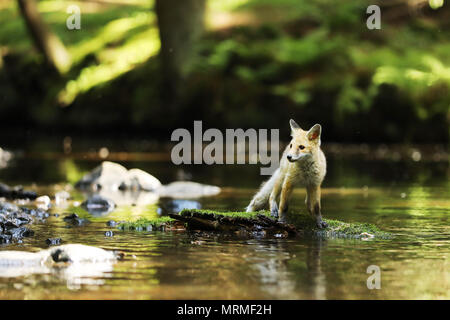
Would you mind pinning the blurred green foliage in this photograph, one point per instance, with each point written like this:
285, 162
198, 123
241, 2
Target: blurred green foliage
314, 61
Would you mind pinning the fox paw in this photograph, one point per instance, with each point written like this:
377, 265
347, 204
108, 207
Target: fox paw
322, 224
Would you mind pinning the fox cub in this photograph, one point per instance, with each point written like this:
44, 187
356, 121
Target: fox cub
303, 162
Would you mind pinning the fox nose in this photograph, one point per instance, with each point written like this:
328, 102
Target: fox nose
289, 157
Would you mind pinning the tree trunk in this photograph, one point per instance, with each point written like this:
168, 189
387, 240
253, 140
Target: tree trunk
48, 43
181, 23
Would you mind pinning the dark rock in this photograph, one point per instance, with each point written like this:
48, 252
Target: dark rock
75, 220
109, 234
53, 241
5, 238
60, 255
19, 233
12, 223
175, 206
26, 194
8, 207
70, 217
112, 223
13, 218
4, 190
16, 192
23, 219
98, 205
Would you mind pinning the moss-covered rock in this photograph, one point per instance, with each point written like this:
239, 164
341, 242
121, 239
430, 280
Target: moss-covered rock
305, 225
257, 224
336, 228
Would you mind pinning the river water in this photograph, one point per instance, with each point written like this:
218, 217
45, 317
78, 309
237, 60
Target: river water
408, 198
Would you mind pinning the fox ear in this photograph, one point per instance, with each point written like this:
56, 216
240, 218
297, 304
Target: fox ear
314, 132
294, 125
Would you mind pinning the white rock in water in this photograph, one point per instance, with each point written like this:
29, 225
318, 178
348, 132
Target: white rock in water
20, 259
143, 180
113, 176
107, 175
79, 253
187, 189
74, 253
129, 197
43, 202
5, 156
73, 262
61, 197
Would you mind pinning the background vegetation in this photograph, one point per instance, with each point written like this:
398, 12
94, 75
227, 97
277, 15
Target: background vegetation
136, 67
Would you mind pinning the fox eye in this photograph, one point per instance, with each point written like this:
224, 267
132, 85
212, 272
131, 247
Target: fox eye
290, 146
302, 147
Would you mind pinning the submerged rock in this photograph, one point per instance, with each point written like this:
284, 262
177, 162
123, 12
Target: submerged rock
175, 206
16, 193
19, 233
5, 156
75, 220
98, 205
71, 261
43, 202
142, 180
61, 197
5, 238
112, 223
53, 241
109, 233
13, 219
187, 189
136, 186
128, 197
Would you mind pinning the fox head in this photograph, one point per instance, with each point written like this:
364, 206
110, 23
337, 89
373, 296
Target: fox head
303, 143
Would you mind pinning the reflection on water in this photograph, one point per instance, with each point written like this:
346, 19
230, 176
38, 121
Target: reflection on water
74, 276
411, 200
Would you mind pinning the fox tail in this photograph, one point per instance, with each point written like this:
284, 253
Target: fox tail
261, 198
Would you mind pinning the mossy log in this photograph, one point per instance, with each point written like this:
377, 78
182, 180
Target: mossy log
256, 224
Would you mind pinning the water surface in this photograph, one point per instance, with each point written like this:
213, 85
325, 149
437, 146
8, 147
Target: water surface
408, 198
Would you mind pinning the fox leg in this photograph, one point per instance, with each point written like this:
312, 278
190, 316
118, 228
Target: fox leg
313, 205
286, 192
273, 198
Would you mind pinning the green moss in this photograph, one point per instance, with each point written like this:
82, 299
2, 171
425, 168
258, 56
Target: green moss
335, 229
145, 224
233, 214
303, 223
